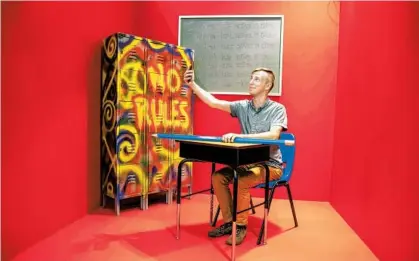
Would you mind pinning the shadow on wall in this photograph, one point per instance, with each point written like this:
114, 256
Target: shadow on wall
93, 129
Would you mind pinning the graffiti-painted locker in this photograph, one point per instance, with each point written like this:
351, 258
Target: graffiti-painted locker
142, 92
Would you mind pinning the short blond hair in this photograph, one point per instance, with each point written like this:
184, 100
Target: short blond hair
269, 72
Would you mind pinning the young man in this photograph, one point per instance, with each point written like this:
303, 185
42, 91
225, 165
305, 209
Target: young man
259, 117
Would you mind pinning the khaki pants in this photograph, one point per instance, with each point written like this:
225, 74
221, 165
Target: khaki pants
248, 177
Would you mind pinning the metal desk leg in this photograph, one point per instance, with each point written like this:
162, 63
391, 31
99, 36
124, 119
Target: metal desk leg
179, 192
212, 196
178, 196
233, 232
265, 217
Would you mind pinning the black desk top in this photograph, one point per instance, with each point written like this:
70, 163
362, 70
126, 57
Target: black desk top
232, 154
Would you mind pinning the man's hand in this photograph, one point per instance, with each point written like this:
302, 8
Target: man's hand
229, 137
189, 76
206, 97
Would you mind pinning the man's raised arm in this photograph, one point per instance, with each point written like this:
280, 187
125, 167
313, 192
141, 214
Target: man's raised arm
205, 96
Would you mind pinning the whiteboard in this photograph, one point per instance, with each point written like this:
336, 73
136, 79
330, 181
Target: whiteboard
228, 48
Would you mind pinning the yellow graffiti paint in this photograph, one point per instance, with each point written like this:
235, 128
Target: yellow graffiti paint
132, 149
109, 189
129, 47
142, 113
161, 115
126, 169
108, 115
175, 114
185, 57
156, 45
105, 94
165, 152
111, 47
131, 73
174, 85
110, 154
184, 121
157, 79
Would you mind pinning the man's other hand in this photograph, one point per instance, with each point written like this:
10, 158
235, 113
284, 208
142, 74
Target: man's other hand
229, 137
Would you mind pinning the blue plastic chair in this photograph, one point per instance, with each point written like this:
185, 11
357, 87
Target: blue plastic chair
288, 157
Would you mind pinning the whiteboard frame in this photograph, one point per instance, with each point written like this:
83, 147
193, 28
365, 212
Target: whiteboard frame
281, 52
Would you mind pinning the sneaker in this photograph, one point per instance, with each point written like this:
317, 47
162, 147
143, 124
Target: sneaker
224, 229
241, 232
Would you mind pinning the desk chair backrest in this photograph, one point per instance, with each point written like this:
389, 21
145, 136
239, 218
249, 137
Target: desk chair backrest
288, 155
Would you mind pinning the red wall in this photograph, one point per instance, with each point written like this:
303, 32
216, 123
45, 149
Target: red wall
309, 80
374, 175
50, 101
50, 113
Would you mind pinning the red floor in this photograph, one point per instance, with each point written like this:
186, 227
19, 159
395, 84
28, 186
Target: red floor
150, 235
